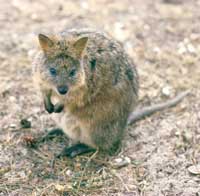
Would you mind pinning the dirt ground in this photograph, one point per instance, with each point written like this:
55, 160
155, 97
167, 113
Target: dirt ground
163, 38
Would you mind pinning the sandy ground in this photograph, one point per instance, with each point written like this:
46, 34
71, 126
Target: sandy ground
163, 38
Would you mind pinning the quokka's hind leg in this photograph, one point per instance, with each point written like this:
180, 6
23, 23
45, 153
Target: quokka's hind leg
108, 137
112, 149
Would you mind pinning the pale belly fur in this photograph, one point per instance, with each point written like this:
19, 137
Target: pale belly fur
74, 129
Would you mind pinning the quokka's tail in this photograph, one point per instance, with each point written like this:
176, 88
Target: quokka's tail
147, 111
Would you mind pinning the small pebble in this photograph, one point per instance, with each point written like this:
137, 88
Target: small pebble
118, 160
121, 162
59, 188
12, 125
69, 172
191, 48
167, 91
194, 169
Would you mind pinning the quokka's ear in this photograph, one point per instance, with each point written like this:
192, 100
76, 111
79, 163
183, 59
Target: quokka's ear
80, 45
45, 42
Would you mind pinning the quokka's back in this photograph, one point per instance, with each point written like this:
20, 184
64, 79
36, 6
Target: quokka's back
90, 74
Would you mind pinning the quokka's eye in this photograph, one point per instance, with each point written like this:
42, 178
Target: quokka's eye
72, 73
53, 71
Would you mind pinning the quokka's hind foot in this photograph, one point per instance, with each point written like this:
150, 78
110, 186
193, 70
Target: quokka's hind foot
75, 150
51, 135
72, 151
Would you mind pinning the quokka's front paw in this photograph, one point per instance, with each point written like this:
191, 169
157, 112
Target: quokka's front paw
48, 105
58, 107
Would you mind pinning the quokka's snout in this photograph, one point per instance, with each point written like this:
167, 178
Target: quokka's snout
63, 89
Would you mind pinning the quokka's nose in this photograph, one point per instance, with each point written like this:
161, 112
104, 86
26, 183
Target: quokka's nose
62, 89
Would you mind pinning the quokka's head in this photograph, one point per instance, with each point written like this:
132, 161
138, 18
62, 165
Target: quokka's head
62, 65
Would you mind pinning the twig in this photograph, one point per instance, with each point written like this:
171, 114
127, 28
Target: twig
44, 189
122, 181
88, 161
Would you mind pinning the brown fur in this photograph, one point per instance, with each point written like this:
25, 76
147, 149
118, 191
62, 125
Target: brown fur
103, 92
